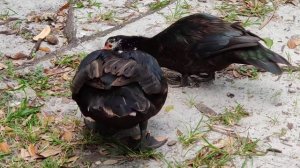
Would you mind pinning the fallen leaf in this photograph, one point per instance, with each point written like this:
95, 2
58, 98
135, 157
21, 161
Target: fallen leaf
205, 109
51, 39
110, 162
168, 108
4, 147
45, 32
2, 66
32, 150
17, 56
290, 126
103, 152
293, 42
50, 152
67, 135
72, 159
268, 42
66, 76
45, 49
236, 74
24, 153
18, 62
178, 132
65, 6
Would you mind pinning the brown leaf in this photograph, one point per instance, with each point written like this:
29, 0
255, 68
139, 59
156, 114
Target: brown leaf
67, 135
205, 109
45, 32
72, 159
24, 154
45, 49
17, 56
103, 152
110, 162
50, 152
65, 6
66, 76
293, 43
51, 39
18, 62
290, 126
4, 147
32, 150
236, 74
2, 66
178, 132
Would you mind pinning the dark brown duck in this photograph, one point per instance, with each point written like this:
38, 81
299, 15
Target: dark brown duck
202, 43
120, 91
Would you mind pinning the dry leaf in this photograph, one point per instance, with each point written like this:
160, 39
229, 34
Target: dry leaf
103, 152
66, 76
32, 150
4, 147
17, 56
110, 162
45, 32
293, 43
18, 62
45, 49
178, 132
72, 159
50, 152
65, 6
67, 135
290, 126
236, 74
2, 66
24, 153
51, 39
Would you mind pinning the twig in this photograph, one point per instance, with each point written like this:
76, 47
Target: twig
35, 48
59, 72
267, 21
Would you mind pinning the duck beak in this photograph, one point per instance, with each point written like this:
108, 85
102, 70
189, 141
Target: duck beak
107, 46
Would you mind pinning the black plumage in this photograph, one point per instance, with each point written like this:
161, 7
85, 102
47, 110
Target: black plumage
120, 91
202, 43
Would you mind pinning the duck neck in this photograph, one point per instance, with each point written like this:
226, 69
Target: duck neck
147, 44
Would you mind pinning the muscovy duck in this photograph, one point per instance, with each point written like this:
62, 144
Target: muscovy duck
201, 44
121, 91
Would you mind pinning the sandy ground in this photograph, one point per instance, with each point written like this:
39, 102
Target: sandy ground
265, 98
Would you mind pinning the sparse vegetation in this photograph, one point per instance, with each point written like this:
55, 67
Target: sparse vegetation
181, 8
222, 152
159, 4
231, 116
251, 72
246, 8
192, 135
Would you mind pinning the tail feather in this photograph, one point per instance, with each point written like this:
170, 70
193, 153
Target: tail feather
262, 57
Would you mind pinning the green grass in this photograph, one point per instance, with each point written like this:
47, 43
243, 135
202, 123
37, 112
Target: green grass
190, 101
108, 16
212, 155
181, 8
192, 135
72, 61
252, 72
159, 4
231, 116
85, 4
50, 163
246, 8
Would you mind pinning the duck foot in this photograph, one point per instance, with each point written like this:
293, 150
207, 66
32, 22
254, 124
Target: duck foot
147, 143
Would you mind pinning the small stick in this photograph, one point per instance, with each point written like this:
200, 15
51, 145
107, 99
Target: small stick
267, 21
35, 48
